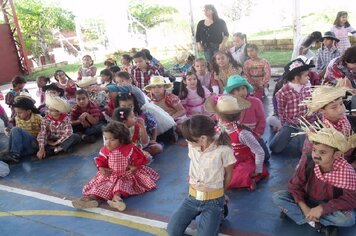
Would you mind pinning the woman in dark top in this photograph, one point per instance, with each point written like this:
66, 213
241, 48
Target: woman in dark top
212, 33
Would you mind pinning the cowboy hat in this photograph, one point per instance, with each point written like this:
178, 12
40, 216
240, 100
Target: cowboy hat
330, 35
235, 81
26, 103
158, 80
24, 94
57, 103
86, 81
322, 96
226, 104
54, 87
294, 67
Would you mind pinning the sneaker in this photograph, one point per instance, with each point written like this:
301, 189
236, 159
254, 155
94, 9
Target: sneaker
8, 157
120, 205
89, 138
85, 202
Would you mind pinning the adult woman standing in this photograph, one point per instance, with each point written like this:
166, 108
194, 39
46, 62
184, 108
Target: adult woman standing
212, 33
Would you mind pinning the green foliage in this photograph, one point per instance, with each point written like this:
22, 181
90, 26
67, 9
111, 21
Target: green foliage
38, 20
151, 15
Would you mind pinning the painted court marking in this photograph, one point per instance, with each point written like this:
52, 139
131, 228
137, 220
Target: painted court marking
147, 225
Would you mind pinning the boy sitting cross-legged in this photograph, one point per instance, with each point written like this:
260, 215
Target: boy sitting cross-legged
322, 191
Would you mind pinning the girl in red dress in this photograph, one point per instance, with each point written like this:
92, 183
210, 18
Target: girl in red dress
121, 171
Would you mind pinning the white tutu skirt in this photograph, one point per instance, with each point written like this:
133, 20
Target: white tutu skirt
164, 120
4, 169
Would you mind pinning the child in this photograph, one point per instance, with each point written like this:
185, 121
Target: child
87, 69
323, 188
121, 171
303, 45
193, 95
113, 91
238, 51
326, 53
249, 168
22, 139
211, 164
328, 101
254, 116
106, 78
224, 66
342, 28
128, 100
42, 81
167, 101
143, 71
86, 117
96, 93
289, 98
186, 67
111, 65
257, 71
123, 78
18, 84
67, 84
126, 63
56, 133
200, 67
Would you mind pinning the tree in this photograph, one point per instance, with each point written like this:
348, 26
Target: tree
150, 15
235, 9
37, 20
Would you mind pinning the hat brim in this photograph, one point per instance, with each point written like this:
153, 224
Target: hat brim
211, 107
330, 37
249, 87
86, 83
298, 70
166, 86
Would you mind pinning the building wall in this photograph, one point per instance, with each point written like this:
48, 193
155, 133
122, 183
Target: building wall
9, 60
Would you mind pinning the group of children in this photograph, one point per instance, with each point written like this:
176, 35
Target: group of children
221, 116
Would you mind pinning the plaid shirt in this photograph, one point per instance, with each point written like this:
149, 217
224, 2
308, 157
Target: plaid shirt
324, 56
288, 101
319, 190
32, 126
92, 109
54, 130
150, 122
142, 78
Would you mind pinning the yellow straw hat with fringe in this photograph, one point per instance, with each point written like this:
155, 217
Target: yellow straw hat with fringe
323, 95
57, 103
226, 104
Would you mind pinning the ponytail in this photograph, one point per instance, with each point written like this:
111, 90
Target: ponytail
223, 139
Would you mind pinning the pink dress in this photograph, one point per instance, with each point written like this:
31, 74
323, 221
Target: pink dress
194, 104
342, 34
120, 181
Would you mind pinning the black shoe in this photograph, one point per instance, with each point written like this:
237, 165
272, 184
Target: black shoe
89, 138
7, 157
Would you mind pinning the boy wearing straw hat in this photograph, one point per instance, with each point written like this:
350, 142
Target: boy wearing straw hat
22, 138
56, 133
322, 191
327, 100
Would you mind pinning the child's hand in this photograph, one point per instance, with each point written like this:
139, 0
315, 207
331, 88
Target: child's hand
83, 116
153, 142
41, 153
314, 213
105, 171
132, 169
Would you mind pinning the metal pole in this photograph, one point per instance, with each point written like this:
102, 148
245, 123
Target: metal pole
296, 21
194, 43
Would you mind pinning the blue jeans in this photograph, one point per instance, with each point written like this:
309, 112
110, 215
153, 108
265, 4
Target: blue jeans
210, 211
285, 200
22, 143
281, 140
261, 141
210, 51
92, 130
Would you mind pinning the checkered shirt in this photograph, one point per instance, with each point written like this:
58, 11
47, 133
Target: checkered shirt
324, 56
143, 77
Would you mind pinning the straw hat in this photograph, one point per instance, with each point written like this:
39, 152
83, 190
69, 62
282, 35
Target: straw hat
158, 80
24, 94
226, 104
294, 67
322, 96
57, 103
235, 81
86, 81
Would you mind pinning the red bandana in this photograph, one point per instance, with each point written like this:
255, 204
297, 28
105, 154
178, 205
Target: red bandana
59, 120
342, 125
342, 176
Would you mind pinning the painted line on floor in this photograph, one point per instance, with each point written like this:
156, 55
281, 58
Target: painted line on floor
139, 221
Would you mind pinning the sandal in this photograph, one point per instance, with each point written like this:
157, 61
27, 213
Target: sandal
119, 205
85, 202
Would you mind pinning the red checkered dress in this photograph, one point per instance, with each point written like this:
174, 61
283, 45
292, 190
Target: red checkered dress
120, 181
